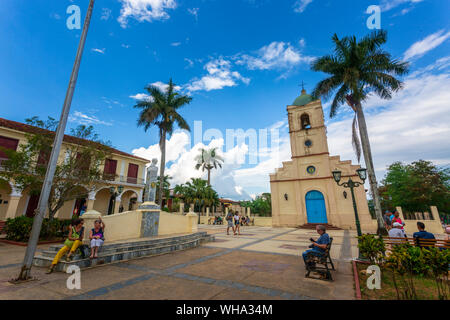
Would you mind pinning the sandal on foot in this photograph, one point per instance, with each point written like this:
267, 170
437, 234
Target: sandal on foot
51, 269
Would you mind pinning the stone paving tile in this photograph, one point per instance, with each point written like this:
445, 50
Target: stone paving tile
268, 275
175, 258
165, 288
92, 279
271, 246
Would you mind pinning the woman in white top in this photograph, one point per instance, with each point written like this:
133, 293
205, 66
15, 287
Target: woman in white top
236, 223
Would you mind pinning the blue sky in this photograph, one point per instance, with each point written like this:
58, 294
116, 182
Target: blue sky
242, 62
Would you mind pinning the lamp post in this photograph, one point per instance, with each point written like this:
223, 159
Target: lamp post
362, 173
25, 271
115, 192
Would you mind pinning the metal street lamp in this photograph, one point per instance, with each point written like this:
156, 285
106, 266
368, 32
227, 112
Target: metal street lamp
362, 173
25, 272
115, 192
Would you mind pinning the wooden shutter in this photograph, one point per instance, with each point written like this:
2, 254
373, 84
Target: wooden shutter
110, 169
132, 173
7, 143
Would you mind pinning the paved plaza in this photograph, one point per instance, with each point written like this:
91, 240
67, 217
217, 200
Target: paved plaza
261, 263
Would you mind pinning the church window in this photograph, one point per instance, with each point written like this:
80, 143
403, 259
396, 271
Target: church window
305, 122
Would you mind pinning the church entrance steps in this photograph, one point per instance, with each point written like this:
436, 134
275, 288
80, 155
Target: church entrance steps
313, 226
117, 252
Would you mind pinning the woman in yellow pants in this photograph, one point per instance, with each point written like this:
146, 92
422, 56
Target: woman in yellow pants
71, 244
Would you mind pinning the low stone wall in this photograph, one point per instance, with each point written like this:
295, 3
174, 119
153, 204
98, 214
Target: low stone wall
434, 226
263, 221
128, 225
121, 226
174, 223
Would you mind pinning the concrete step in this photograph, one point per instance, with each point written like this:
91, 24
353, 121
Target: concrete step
109, 246
126, 252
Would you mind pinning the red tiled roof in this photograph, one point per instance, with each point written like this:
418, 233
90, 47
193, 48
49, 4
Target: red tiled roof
22, 127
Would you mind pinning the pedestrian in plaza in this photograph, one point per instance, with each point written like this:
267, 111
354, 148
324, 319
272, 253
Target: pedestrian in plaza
97, 237
398, 220
229, 219
73, 241
387, 219
237, 220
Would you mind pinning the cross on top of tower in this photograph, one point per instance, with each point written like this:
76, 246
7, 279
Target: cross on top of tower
303, 87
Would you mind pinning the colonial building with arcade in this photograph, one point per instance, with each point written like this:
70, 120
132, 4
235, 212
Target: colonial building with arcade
120, 189
303, 190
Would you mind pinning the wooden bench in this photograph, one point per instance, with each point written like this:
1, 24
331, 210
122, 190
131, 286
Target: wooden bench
417, 242
324, 261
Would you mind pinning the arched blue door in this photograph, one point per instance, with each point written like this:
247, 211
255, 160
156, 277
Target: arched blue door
315, 207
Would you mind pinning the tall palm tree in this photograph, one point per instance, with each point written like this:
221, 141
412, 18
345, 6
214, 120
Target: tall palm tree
358, 69
161, 110
208, 160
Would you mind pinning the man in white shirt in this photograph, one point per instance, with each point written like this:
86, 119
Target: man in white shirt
397, 232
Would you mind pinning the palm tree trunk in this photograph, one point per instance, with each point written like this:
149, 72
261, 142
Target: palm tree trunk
162, 168
209, 177
370, 167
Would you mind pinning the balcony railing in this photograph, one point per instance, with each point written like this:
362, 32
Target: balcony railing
123, 179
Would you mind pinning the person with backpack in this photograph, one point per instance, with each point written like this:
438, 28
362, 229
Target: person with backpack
73, 241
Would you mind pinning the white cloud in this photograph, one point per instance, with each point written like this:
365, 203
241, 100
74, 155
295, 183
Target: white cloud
387, 5
145, 10
300, 5
163, 86
81, 118
181, 163
219, 76
175, 44
277, 55
142, 97
102, 51
126, 46
421, 47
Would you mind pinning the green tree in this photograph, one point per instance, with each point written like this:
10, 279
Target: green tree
198, 193
261, 205
417, 186
161, 110
78, 172
208, 160
357, 69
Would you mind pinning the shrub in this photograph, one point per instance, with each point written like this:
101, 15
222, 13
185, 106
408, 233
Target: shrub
19, 229
372, 247
438, 262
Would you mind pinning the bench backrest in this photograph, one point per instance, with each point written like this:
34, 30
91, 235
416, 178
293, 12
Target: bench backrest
328, 249
418, 242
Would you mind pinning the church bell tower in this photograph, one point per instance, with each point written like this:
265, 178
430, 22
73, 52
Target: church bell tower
307, 127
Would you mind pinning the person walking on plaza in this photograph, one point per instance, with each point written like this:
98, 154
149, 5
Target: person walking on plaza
97, 237
229, 219
73, 241
237, 219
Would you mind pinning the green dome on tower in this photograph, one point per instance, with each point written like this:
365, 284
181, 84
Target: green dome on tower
303, 100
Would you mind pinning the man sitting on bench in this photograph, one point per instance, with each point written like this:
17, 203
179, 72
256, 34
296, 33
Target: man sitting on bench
422, 234
318, 247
